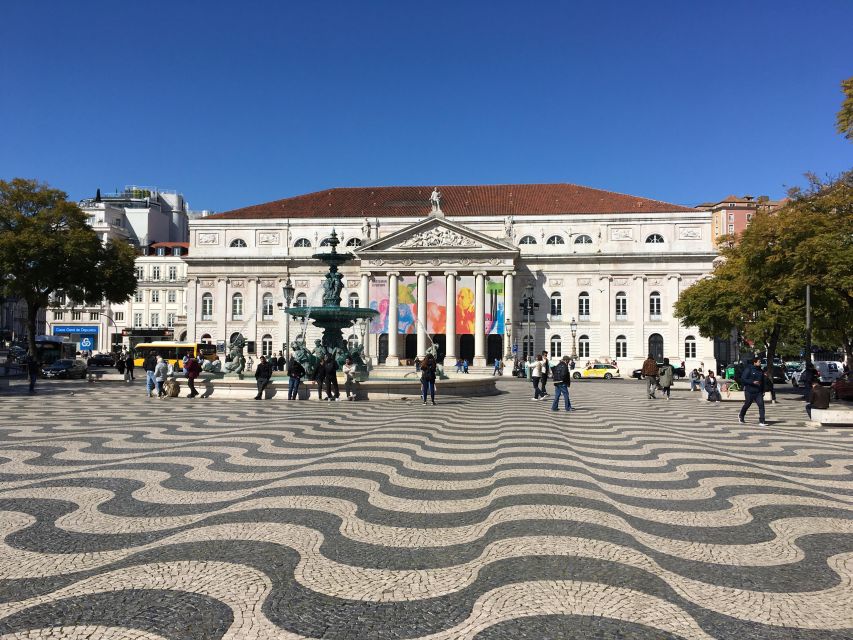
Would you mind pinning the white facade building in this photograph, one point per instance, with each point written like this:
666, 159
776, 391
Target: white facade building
457, 270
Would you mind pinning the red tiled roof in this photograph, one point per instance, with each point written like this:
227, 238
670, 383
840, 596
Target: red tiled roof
478, 200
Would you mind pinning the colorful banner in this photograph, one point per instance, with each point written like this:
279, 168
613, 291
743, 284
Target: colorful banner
495, 307
465, 305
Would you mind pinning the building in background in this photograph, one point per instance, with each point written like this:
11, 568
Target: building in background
732, 214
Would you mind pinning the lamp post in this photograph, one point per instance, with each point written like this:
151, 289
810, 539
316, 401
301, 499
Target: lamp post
574, 328
508, 334
528, 307
288, 291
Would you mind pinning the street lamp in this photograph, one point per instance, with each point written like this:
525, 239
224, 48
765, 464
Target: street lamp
574, 328
288, 292
508, 333
528, 307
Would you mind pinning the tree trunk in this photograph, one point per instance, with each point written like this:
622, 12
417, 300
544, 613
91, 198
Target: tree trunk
771, 348
32, 315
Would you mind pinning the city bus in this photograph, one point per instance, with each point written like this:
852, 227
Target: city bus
173, 351
49, 349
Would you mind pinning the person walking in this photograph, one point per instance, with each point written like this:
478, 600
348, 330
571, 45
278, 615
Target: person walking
546, 371
752, 381
665, 377
319, 376
497, 369
149, 364
32, 371
650, 373
128, 364
281, 362
428, 370
349, 378
562, 381
458, 365
120, 367
711, 388
768, 384
250, 362
818, 398
535, 375
295, 373
192, 369
807, 378
330, 375
161, 372
263, 374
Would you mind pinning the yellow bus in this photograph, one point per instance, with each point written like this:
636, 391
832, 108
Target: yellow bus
173, 351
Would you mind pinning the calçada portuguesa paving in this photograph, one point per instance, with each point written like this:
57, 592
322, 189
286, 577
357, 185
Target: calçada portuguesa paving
128, 517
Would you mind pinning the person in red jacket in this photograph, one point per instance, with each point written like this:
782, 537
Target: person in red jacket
193, 368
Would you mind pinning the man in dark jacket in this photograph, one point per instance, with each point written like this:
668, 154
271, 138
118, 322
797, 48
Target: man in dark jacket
562, 381
818, 398
752, 381
128, 363
650, 373
263, 373
149, 364
32, 371
295, 372
546, 371
330, 375
192, 369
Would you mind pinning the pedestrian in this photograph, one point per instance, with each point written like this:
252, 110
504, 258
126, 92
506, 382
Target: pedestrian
281, 362
295, 373
665, 377
535, 374
497, 369
149, 364
695, 380
417, 365
650, 373
32, 371
250, 362
262, 376
711, 388
192, 369
752, 381
120, 367
128, 364
161, 372
818, 398
330, 375
458, 365
465, 366
319, 376
428, 370
546, 371
768, 384
807, 378
349, 379
562, 381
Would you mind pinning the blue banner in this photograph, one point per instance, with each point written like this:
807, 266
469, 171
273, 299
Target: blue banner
75, 328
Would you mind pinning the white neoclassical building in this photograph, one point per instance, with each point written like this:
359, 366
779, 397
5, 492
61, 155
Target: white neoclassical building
603, 268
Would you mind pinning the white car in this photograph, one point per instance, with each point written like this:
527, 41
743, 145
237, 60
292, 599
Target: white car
827, 371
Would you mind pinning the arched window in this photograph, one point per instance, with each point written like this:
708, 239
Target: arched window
354, 242
352, 342
621, 347
556, 304
654, 305
527, 347
206, 339
583, 346
352, 301
621, 306
238, 242
654, 238
266, 306
656, 346
207, 306
301, 300
327, 242
237, 306
302, 242
555, 240
690, 347
583, 306
556, 347
266, 345
584, 239
233, 337
527, 240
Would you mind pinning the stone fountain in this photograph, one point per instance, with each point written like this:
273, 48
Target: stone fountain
332, 318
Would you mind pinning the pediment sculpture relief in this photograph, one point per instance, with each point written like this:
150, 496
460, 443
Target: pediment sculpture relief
438, 237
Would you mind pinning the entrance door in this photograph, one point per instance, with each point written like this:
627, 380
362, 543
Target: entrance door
440, 341
411, 347
383, 348
656, 346
466, 347
494, 348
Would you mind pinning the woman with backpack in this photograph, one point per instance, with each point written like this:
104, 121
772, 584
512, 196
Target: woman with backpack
428, 371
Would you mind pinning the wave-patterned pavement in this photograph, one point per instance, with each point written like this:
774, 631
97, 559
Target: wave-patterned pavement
124, 517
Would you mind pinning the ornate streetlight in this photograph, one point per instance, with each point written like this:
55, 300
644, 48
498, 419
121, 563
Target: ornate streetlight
508, 334
528, 307
574, 328
288, 291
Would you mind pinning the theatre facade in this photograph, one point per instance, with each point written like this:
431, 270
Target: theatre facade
453, 266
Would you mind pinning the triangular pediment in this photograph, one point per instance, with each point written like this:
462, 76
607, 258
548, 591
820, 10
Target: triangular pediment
437, 235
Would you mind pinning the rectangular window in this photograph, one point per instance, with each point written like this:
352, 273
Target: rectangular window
172, 296
731, 217
689, 349
137, 320
170, 320
94, 315
155, 296
621, 307
155, 273
58, 315
119, 316
556, 306
749, 217
138, 295
76, 315
155, 319
173, 273
731, 228
176, 251
140, 273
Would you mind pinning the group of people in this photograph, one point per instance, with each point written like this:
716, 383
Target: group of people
561, 373
325, 375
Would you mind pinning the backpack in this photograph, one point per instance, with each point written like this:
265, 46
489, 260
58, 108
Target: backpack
559, 372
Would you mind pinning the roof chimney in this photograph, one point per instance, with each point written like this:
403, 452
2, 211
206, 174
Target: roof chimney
98, 195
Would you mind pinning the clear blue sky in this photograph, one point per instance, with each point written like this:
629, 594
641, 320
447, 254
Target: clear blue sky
236, 103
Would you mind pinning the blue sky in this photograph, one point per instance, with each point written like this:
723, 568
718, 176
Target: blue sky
236, 103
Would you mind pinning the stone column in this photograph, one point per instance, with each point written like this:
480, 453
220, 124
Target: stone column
509, 311
480, 319
192, 298
672, 346
421, 327
221, 309
641, 307
606, 321
450, 321
364, 301
251, 310
393, 359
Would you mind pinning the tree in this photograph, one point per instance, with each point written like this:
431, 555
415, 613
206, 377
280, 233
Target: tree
844, 120
47, 246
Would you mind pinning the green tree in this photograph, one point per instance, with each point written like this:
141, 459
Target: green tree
844, 120
47, 246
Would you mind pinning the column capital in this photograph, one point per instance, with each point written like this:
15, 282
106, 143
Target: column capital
422, 273
508, 273
366, 273
451, 273
481, 273
393, 273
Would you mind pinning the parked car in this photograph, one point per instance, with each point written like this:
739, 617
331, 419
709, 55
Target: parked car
65, 368
677, 372
18, 353
827, 371
606, 371
842, 388
101, 360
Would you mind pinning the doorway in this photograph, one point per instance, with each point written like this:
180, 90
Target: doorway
383, 348
440, 341
411, 350
494, 348
656, 346
466, 347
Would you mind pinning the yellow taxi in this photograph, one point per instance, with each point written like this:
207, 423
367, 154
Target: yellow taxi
606, 371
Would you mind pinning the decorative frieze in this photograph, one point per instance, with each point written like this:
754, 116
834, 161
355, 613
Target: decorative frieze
268, 284
237, 284
622, 233
689, 233
269, 237
301, 283
438, 237
207, 238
